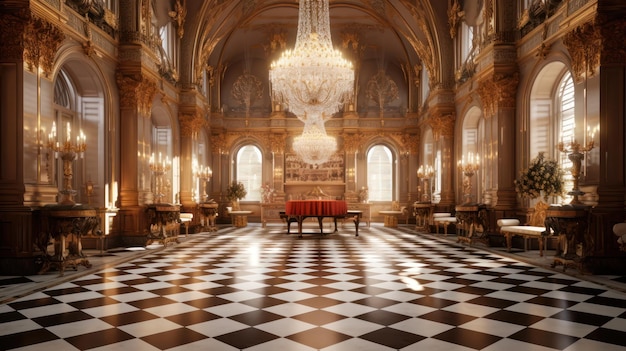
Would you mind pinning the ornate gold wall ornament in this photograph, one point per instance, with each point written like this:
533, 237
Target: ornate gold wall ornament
41, 42
178, 16
381, 89
442, 125
136, 91
543, 50
613, 36
218, 143
191, 123
277, 143
247, 89
497, 92
411, 143
584, 45
12, 28
351, 142
455, 15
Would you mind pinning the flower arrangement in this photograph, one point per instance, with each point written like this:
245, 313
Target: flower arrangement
236, 191
542, 178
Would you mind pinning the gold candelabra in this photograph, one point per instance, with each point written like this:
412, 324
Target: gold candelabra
204, 173
68, 150
159, 168
468, 167
425, 173
576, 153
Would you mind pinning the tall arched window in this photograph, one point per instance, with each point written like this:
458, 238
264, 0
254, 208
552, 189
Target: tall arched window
249, 171
380, 173
565, 103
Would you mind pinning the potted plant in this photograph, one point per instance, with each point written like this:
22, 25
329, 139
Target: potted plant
541, 179
235, 192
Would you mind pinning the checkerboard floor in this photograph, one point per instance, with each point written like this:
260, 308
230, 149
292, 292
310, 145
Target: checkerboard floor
259, 289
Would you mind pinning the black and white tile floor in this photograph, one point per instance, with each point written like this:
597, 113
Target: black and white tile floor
260, 289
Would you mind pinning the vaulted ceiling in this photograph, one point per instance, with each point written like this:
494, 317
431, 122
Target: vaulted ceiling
387, 33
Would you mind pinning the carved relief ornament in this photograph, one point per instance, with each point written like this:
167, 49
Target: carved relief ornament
41, 42
351, 142
442, 125
136, 92
190, 123
218, 143
613, 33
583, 44
497, 92
277, 143
12, 28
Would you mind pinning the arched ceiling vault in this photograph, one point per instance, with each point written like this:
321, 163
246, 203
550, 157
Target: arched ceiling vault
392, 32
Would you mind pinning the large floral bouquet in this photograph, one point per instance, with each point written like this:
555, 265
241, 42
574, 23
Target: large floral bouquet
542, 178
236, 191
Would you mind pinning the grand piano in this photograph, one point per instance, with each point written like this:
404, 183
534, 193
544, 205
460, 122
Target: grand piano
299, 210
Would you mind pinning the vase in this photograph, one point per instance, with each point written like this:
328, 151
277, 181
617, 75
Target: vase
235, 204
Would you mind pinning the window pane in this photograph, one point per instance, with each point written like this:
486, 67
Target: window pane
249, 171
567, 125
380, 173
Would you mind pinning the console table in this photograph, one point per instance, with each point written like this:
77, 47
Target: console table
66, 225
163, 223
209, 212
472, 223
570, 223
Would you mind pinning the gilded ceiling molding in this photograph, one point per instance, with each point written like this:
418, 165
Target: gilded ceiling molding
583, 44
178, 16
136, 91
191, 123
12, 28
277, 143
497, 92
442, 125
41, 42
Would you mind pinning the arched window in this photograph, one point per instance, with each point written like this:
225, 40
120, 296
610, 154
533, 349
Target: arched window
249, 171
566, 124
380, 173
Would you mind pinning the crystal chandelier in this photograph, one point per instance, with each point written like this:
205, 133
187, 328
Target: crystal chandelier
313, 78
314, 146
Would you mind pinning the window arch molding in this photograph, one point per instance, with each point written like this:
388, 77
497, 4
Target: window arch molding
247, 166
472, 141
385, 189
545, 114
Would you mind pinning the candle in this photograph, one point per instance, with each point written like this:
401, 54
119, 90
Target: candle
69, 132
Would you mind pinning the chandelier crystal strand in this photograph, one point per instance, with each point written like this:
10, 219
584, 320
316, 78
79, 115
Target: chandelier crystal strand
314, 146
313, 78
